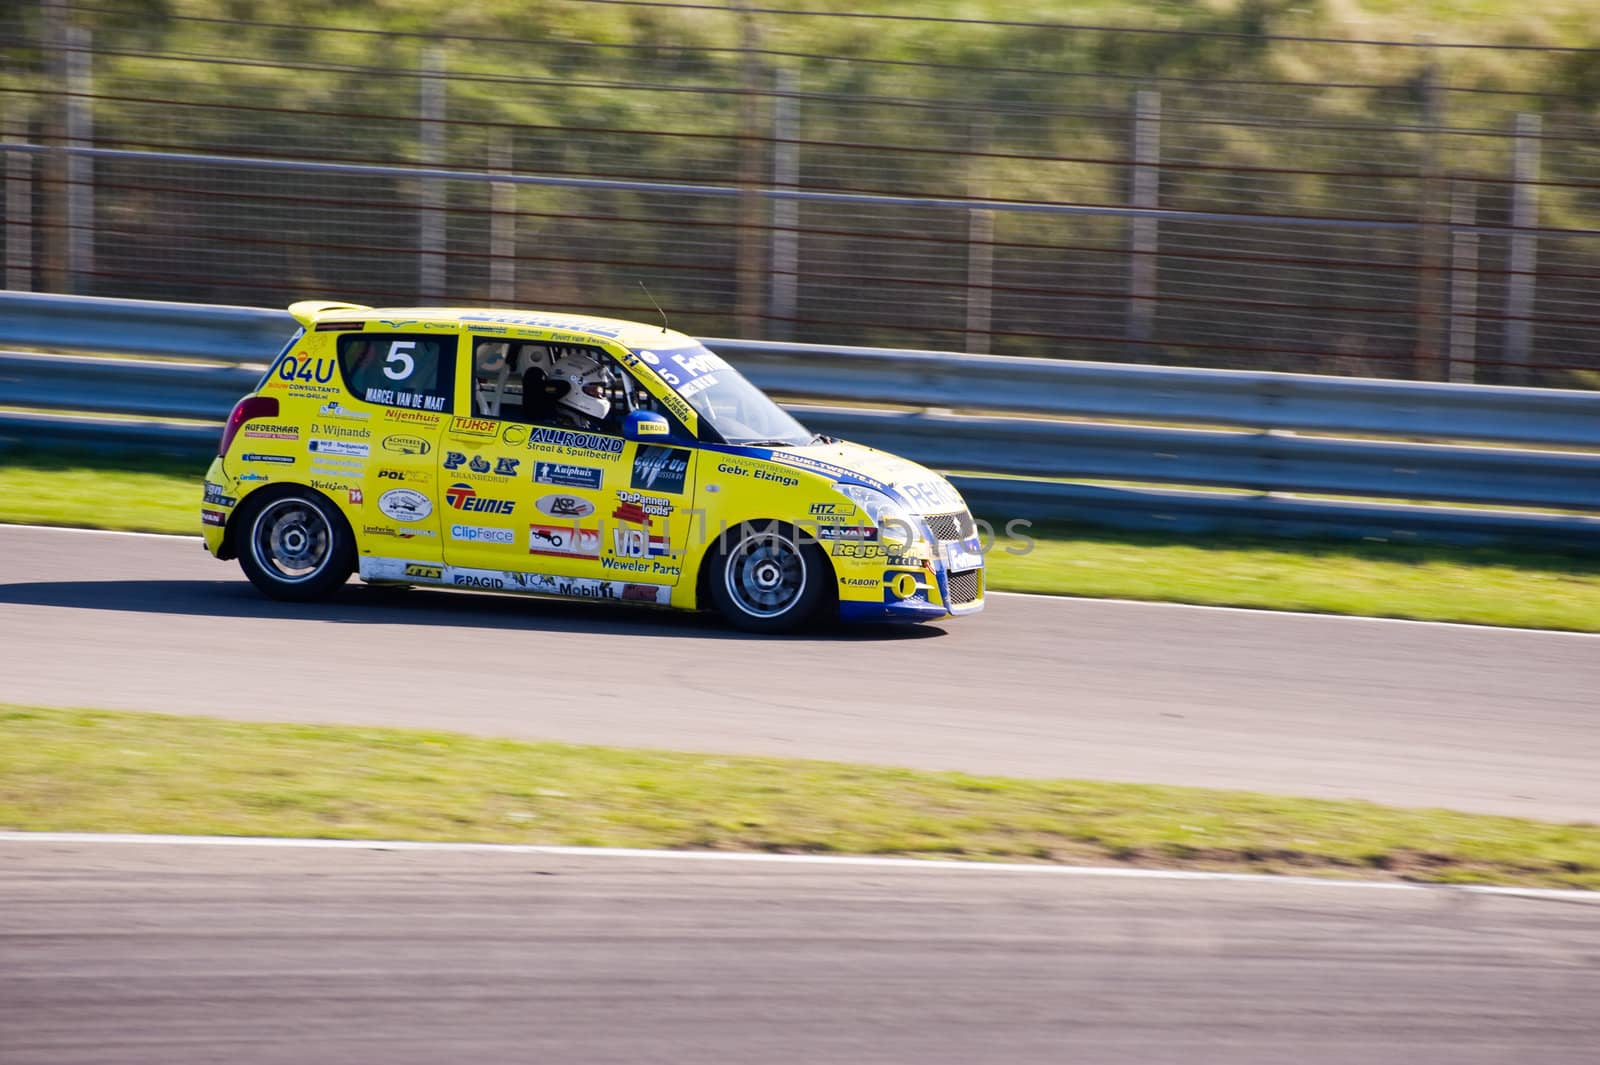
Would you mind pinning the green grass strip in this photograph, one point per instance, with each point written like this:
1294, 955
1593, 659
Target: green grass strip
96, 771
1487, 586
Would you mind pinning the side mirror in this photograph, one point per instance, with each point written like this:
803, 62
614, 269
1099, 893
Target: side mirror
645, 425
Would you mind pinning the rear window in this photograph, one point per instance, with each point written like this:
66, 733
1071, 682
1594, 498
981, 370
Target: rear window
412, 370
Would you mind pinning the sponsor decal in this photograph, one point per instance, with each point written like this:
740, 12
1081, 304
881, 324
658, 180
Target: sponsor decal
660, 469
334, 409
843, 532
251, 456
930, 495
414, 476
338, 447
862, 582
482, 534
330, 487
346, 432
253, 477
537, 321
216, 495
462, 496
559, 473
650, 427
568, 540
851, 549
649, 505
303, 368
559, 506
430, 573
213, 517
502, 467
272, 431
967, 554
683, 366
356, 497
473, 580
405, 504
414, 417
475, 427
833, 510
397, 398
638, 543
760, 473
643, 593
406, 445
387, 530
573, 443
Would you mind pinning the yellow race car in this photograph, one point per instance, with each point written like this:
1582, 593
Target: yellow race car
561, 455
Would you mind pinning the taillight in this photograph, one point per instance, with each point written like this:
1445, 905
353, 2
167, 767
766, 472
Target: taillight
247, 408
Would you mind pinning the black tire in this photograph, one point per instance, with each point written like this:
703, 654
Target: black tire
765, 578
294, 544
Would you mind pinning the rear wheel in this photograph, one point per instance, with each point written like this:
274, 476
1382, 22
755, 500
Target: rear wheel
295, 545
766, 580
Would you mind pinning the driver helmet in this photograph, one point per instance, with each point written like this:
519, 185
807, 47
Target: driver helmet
589, 388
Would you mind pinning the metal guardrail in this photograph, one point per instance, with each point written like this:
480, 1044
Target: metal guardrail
1019, 466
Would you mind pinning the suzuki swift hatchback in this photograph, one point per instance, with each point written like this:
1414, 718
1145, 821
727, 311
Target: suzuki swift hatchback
561, 455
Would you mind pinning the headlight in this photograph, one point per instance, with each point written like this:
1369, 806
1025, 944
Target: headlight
898, 529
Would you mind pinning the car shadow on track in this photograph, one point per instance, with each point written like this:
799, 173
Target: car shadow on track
359, 604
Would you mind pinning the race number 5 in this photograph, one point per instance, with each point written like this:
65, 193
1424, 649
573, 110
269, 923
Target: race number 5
396, 355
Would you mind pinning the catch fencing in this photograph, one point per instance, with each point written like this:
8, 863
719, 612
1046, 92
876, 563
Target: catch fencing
1032, 439
1160, 194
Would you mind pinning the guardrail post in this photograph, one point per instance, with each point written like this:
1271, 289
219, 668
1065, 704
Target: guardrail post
980, 249
19, 204
1144, 233
431, 235
502, 224
1523, 249
80, 167
748, 248
1463, 282
1425, 356
785, 269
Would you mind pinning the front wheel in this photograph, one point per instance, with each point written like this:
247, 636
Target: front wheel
295, 545
766, 580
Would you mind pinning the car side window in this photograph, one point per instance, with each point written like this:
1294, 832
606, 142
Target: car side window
571, 386
412, 370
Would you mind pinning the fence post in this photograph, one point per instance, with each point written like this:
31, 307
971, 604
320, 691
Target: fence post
54, 266
1144, 233
80, 167
431, 236
785, 268
502, 224
1425, 357
1463, 350
1522, 251
749, 245
19, 204
980, 250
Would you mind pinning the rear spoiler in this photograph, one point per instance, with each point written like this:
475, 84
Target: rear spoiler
306, 312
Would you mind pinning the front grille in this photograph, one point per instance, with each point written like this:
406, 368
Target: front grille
956, 526
963, 587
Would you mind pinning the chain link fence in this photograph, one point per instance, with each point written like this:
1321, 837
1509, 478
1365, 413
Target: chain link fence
1019, 188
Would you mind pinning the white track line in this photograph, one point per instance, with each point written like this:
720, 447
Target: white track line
919, 864
98, 532
1252, 611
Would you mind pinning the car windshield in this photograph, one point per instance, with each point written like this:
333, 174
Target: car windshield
735, 408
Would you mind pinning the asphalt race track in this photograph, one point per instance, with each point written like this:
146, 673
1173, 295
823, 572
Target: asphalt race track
177, 955
1430, 715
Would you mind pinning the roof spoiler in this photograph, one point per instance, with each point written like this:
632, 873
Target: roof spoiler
307, 311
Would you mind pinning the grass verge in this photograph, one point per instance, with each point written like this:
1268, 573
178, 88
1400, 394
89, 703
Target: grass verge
83, 770
1487, 586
